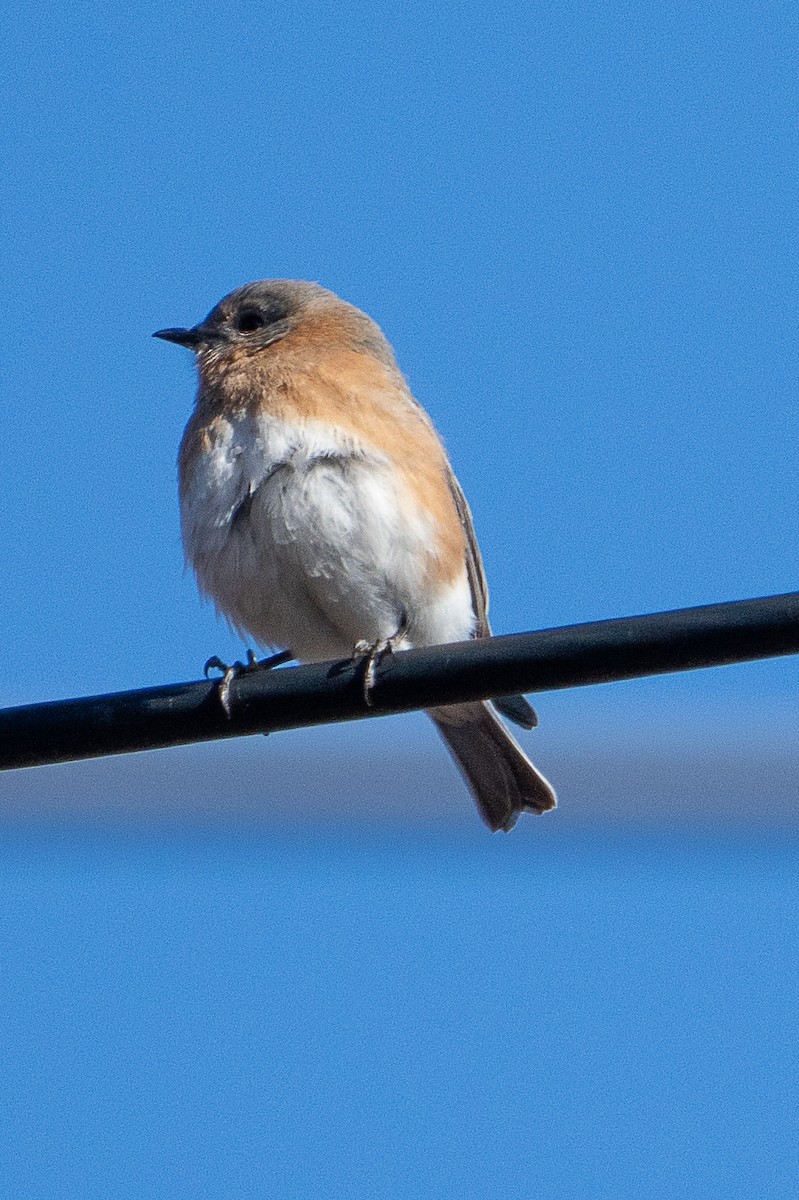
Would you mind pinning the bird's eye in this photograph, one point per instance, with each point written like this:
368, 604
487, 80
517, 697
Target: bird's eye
250, 320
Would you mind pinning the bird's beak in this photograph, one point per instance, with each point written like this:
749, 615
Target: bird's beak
190, 338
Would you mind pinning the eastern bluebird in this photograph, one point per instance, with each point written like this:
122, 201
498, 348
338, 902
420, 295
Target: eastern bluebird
320, 512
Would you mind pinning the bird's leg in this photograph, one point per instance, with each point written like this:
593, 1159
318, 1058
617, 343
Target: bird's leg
233, 671
373, 654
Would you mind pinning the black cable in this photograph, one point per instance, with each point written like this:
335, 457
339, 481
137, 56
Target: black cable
316, 694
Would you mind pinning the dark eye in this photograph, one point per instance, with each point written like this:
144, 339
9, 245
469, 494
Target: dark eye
250, 320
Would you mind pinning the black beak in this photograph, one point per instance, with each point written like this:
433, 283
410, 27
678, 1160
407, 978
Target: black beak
190, 338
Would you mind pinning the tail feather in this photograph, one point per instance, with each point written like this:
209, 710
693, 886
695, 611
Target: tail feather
502, 779
516, 709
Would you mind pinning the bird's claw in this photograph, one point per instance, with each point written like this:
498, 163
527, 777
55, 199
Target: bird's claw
373, 654
234, 670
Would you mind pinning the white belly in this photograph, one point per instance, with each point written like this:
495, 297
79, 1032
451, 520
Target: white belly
296, 534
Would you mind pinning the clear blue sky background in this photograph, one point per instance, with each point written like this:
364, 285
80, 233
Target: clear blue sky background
577, 225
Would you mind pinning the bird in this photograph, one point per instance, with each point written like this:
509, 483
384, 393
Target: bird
320, 513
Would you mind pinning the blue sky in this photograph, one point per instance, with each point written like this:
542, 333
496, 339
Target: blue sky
576, 224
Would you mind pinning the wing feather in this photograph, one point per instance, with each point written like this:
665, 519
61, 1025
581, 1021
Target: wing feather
474, 559
515, 708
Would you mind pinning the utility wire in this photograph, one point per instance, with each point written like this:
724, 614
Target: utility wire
264, 701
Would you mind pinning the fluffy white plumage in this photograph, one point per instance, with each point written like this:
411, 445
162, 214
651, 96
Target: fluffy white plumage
297, 534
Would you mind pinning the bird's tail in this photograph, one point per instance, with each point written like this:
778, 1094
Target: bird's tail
503, 780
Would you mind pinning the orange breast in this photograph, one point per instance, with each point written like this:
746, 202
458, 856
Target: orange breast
305, 378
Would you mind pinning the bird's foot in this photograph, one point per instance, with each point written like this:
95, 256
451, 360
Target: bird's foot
234, 670
373, 653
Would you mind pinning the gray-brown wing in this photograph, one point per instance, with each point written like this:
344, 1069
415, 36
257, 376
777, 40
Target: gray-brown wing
515, 708
474, 560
